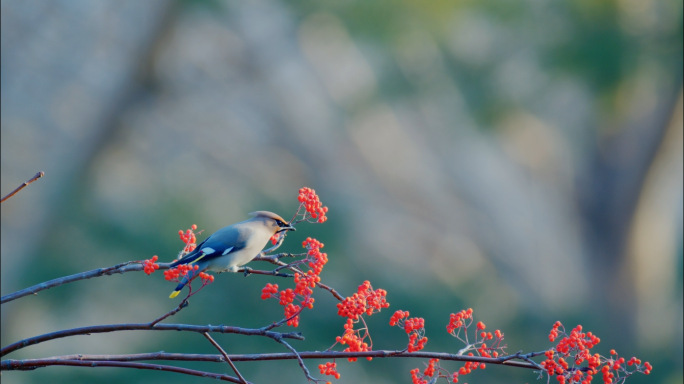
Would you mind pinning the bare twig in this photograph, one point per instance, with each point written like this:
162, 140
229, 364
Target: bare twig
146, 327
164, 356
38, 363
128, 266
172, 312
225, 356
34, 178
299, 360
268, 273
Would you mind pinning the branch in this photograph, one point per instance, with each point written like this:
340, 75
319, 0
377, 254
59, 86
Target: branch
119, 268
172, 312
309, 378
34, 178
137, 266
38, 363
225, 356
8, 365
146, 327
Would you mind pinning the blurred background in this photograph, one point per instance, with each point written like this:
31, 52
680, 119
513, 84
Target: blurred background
520, 158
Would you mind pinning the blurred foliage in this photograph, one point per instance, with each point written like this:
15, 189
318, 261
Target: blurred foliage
221, 133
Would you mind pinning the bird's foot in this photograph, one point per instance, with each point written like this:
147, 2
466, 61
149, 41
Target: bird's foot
246, 270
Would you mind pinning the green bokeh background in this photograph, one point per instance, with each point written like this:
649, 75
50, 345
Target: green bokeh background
520, 158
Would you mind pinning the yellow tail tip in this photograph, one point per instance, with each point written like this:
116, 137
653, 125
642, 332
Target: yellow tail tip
173, 294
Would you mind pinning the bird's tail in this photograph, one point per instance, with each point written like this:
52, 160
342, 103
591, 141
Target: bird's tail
187, 278
178, 288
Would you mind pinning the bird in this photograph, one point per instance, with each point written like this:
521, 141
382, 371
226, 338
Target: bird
233, 246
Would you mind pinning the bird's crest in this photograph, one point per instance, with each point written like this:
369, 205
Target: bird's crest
268, 214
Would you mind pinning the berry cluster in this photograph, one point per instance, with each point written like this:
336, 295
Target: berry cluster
314, 209
150, 265
206, 278
175, 274
432, 371
414, 327
316, 259
458, 320
189, 238
286, 299
305, 283
364, 301
329, 369
276, 237
572, 350
354, 340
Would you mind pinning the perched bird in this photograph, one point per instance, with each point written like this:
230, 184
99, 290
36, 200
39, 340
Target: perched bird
233, 246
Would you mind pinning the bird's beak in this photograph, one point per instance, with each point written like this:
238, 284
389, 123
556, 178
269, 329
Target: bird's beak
288, 228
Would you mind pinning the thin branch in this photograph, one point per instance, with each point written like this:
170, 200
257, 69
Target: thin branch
172, 312
215, 358
38, 363
249, 271
146, 327
299, 360
34, 178
119, 268
131, 266
226, 357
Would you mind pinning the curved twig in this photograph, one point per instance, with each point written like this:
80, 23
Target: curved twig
22, 186
146, 327
38, 363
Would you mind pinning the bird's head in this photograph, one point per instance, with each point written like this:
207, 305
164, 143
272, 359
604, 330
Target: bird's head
274, 222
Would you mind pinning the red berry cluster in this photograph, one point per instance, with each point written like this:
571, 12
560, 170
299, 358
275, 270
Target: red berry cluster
189, 238
175, 274
150, 265
416, 378
572, 350
414, 327
292, 314
304, 282
269, 290
364, 301
354, 340
312, 204
432, 371
314, 211
457, 320
276, 237
461, 321
206, 278
467, 368
316, 259
288, 296
329, 369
